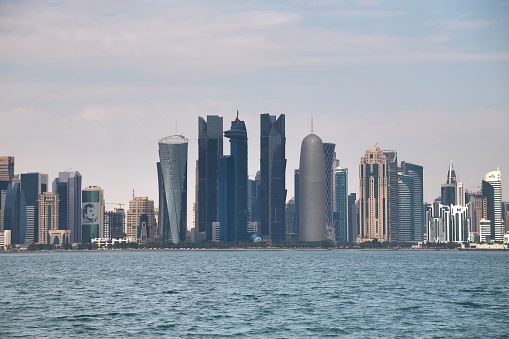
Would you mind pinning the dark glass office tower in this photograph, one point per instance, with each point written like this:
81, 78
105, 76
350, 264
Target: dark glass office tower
297, 200
448, 190
492, 205
406, 231
210, 149
273, 178
33, 184
233, 185
341, 230
114, 223
419, 217
353, 232
68, 188
329, 155
15, 214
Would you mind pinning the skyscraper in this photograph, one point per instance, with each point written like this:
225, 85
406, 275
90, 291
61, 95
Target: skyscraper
418, 214
6, 176
353, 215
68, 188
448, 190
210, 149
253, 200
33, 184
6, 168
48, 215
137, 207
341, 204
406, 226
312, 191
475, 203
373, 196
273, 178
492, 204
296, 189
233, 185
114, 224
391, 159
15, 213
329, 156
92, 213
172, 170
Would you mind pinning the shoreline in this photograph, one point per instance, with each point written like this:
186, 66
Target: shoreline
260, 249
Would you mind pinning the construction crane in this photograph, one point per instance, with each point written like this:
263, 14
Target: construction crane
115, 203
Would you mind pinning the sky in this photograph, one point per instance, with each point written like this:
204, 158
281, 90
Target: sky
93, 85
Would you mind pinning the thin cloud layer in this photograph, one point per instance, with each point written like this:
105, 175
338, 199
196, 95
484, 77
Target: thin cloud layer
192, 38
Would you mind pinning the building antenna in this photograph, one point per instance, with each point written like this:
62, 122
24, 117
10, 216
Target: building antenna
133, 193
311, 125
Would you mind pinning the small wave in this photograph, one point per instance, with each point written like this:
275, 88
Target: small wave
470, 304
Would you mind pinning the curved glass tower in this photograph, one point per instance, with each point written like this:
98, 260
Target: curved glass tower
172, 175
312, 190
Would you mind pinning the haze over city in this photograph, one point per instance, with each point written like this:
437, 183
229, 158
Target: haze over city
93, 86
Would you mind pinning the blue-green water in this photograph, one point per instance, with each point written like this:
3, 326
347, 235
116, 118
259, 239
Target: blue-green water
261, 294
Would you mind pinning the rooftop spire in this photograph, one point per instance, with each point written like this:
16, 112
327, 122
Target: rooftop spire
237, 118
311, 125
451, 174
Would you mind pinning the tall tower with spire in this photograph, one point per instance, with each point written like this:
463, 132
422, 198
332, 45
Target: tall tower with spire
233, 179
448, 191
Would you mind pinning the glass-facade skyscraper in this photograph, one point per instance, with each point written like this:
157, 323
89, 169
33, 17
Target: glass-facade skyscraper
33, 184
210, 149
329, 155
172, 174
406, 231
418, 213
68, 188
492, 204
15, 213
273, 178
341, 204
233, 178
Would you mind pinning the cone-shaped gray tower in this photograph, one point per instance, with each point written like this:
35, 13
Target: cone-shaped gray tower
312, 190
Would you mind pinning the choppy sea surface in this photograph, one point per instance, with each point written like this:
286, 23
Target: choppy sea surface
255, 293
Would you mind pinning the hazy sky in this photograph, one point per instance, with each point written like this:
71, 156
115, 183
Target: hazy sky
93, 85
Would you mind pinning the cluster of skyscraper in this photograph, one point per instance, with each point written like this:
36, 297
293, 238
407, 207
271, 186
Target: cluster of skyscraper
31, 214
232, 207
459, 215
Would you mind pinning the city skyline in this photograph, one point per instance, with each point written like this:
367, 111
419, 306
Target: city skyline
426, 80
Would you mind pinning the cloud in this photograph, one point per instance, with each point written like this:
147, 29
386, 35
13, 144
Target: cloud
198, 39
460, 24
